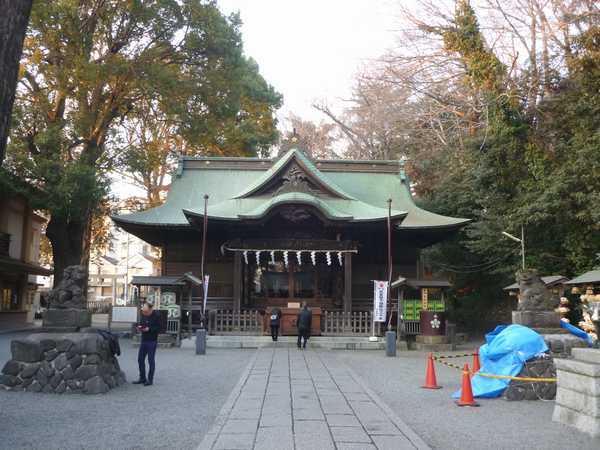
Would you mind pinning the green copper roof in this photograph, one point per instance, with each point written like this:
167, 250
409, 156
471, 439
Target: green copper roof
238, 189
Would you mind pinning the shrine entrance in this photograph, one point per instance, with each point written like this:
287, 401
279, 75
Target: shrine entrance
275, 284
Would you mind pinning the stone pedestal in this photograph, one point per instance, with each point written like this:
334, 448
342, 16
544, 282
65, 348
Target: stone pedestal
433, 343
62, 363
67, 319
578, 394
537, 319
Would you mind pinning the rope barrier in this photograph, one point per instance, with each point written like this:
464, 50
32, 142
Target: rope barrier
489, 375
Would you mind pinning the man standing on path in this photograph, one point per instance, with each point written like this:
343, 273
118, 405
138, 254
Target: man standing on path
149, 326
304, 323
275, 319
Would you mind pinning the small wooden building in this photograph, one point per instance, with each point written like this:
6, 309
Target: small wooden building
289, 229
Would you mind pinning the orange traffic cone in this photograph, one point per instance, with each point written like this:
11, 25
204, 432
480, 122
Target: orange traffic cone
430, 380
466, 393
476, 364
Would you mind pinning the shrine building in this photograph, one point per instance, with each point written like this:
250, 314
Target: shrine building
285, 230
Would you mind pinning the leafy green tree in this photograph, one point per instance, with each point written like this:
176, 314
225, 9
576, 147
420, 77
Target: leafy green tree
88, 66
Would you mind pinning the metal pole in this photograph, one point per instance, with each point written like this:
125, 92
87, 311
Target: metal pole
523, 246
204, 230
389, 245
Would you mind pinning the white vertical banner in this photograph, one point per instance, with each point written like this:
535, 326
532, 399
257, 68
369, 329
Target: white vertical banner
380, 301
206, 278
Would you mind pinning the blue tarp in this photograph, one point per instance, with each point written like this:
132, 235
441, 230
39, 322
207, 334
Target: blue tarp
504, 353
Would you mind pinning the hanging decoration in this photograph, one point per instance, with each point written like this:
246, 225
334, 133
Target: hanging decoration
328, 255
257, 253
246, 256
313, 256
299, 257
339, 254
285, 257
273, 257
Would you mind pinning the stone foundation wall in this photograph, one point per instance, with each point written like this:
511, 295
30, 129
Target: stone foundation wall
62, 363
578, 395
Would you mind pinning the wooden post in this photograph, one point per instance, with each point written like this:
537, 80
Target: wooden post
347, 282
237, 281
190, 312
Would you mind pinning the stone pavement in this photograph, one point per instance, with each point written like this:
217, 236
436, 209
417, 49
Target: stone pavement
301, 400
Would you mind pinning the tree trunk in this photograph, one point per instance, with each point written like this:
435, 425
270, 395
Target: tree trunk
13, 24
67, 238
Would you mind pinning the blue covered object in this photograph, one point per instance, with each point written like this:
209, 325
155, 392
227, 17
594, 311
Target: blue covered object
577, 332
504, 353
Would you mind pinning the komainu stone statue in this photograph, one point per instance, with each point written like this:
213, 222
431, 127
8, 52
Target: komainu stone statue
69, 292
536, 304
68, 310
533, 294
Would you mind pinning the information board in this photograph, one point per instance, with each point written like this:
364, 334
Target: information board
124, 314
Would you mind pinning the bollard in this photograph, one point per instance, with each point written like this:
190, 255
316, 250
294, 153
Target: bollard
201, 341
390, 343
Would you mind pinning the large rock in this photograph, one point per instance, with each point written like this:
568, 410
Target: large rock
29, 370
86, 372
95, 385
26, 350
11, 367
62, 363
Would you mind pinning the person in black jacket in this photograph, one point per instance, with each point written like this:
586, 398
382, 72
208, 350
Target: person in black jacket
275, 320
149, 327
304, 323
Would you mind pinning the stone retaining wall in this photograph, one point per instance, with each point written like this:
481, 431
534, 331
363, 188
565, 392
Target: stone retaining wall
62, 363
578, 395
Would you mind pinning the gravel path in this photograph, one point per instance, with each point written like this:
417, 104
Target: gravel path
176, 412
497, 424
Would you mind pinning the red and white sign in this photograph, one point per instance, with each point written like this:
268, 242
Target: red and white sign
380, 301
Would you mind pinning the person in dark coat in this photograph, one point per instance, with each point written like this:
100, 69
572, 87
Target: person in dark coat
275, 321
304, 323
149, 327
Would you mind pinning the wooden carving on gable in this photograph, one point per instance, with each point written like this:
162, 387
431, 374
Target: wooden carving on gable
295, 180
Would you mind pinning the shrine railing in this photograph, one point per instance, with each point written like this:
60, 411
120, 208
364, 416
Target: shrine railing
234, 322
340, 323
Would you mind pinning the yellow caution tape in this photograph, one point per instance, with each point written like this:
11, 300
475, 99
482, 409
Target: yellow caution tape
489, 375
508, 377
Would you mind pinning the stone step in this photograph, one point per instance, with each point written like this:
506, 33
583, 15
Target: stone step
324, 342
590, 355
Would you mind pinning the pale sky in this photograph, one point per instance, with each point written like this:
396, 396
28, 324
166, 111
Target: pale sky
310, 50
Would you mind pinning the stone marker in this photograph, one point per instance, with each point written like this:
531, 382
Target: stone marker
68, 310
578, 394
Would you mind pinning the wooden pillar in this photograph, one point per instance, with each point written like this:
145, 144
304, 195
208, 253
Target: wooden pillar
347, 282
237, 281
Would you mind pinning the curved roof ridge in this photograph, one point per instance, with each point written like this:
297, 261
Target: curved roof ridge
306, 164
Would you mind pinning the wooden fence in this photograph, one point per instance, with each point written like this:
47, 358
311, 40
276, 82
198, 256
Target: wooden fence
234, 322
339, 323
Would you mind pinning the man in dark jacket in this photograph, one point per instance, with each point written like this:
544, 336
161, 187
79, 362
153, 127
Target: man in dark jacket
304, 323
275, 320
149, 327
